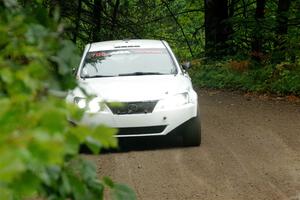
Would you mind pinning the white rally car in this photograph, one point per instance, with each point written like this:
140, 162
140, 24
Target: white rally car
154, 92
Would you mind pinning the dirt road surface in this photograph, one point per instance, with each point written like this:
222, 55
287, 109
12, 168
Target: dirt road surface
250, 150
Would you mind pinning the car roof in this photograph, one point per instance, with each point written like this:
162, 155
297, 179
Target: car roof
126, 44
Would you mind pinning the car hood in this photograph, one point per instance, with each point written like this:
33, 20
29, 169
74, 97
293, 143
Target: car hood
136, 88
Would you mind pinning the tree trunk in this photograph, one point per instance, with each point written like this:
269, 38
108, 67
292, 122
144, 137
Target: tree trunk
77, 22
114, 18
282, 29
216, 27
282, 16
97, 14
257, 43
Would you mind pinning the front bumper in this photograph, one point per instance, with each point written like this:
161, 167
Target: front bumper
159, 122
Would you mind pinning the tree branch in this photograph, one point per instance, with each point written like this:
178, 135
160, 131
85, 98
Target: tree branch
182, 31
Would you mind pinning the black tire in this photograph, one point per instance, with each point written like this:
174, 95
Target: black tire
192, 132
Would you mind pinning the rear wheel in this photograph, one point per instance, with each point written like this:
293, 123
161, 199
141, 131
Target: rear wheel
192, 132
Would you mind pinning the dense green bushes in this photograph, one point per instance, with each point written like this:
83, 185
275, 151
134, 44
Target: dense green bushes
281, 79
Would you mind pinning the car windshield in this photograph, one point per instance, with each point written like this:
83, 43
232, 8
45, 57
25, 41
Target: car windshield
129, 62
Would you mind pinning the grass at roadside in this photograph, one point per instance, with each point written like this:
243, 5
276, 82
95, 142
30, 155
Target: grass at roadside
280, 79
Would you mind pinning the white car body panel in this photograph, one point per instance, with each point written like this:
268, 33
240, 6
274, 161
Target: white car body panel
137, 89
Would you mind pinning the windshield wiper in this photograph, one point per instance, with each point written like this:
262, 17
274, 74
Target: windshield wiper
141, 74
97, 76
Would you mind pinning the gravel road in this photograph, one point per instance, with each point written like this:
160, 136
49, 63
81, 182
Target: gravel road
250, 150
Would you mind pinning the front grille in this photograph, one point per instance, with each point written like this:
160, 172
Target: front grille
141, 130
132, 107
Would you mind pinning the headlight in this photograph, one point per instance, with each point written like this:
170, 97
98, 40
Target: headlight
173, 101
92, 105
81, 102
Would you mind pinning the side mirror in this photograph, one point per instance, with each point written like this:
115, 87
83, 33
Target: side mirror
186, 65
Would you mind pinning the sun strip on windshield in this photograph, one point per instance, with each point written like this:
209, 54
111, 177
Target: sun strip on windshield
99, 54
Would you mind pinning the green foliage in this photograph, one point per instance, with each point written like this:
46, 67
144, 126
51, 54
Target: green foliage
281, 79
119, 191
38, 146
263, 53
149, 19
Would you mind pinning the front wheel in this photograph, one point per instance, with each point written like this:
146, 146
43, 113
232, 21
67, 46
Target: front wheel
192, 132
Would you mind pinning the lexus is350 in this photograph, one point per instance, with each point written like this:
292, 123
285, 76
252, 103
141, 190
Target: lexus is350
139, 87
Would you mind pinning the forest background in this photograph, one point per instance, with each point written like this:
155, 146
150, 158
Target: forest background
248, 45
